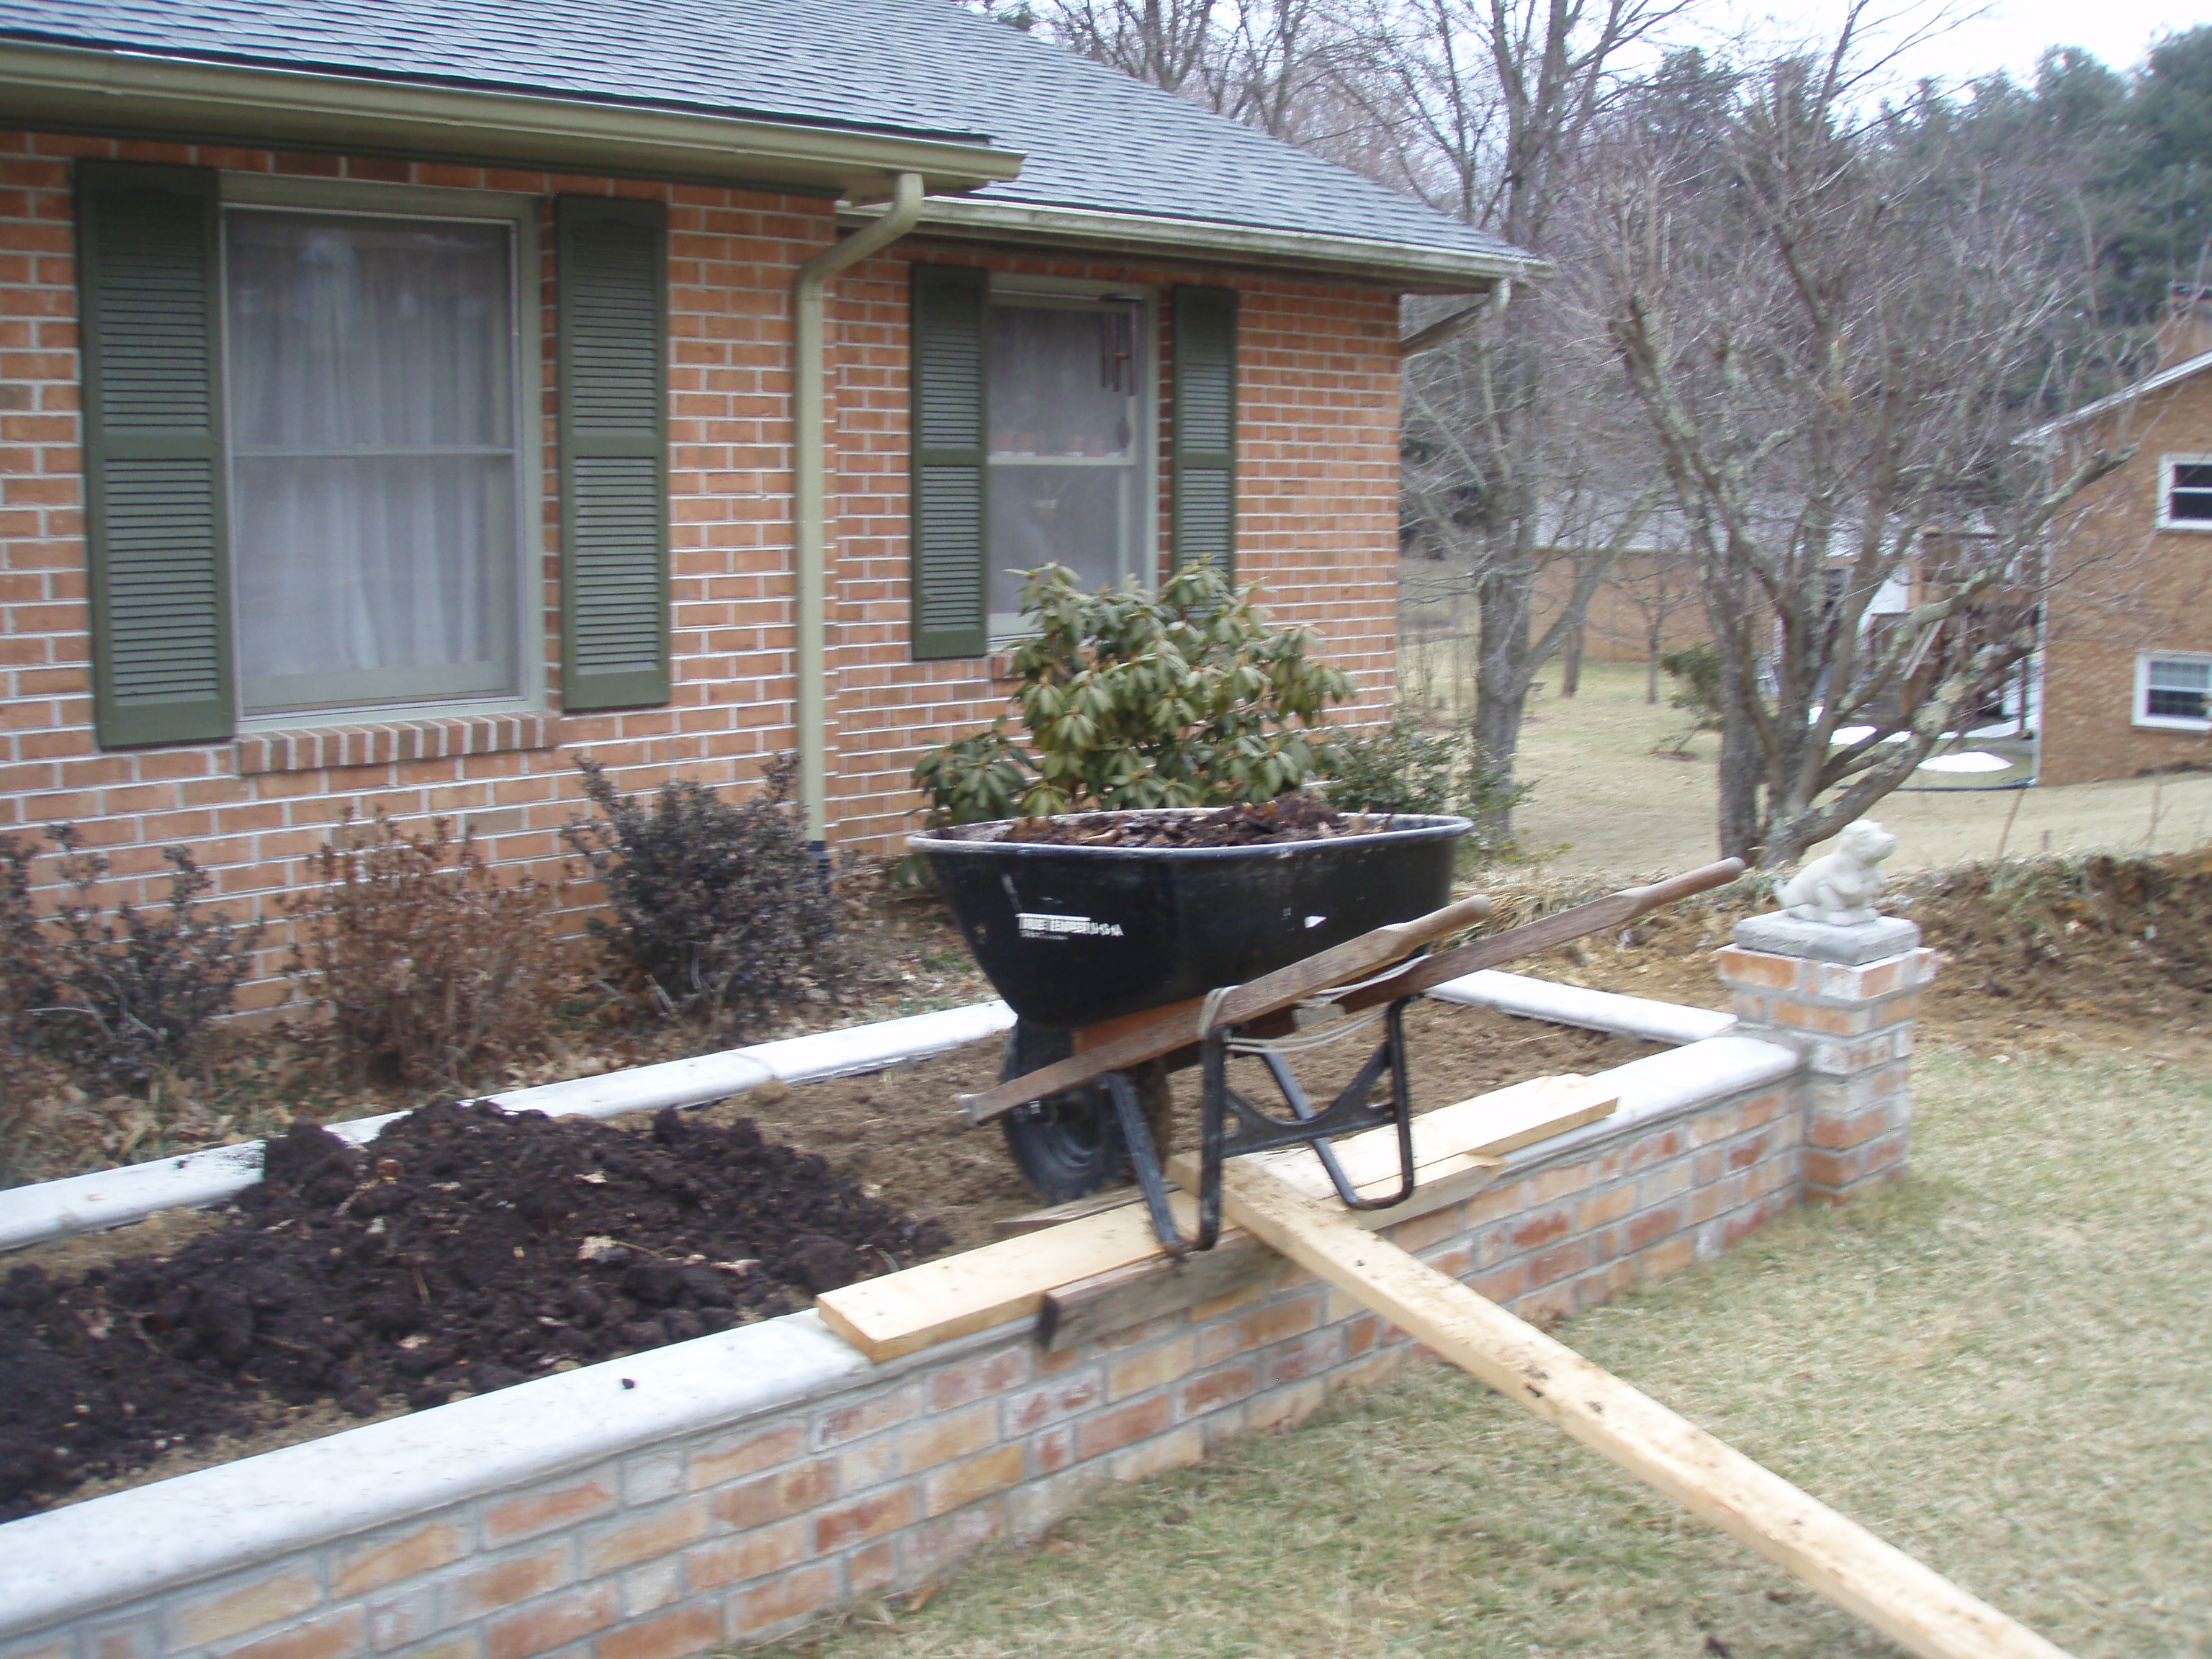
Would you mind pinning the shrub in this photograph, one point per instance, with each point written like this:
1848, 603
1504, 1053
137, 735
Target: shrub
114, 995
1409, 766
434, 972
1695, 672
1128, 699
724, 910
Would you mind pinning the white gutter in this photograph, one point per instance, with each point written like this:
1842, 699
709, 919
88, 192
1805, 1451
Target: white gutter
136, 92
809, 557
1411, 267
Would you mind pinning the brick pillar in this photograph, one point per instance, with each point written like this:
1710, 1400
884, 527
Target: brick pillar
1844, 997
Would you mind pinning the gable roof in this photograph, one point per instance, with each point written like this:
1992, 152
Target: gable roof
1089, 139
2044, 436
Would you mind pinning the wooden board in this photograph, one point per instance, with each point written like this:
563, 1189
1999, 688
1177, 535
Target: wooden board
1073, 1315
1162, 1031
1910, 1602
1455, 1150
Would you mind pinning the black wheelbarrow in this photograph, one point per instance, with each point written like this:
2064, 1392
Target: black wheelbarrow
1090, 943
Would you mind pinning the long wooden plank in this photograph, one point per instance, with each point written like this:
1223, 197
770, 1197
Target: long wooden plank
1455, 1151
1183, 1024
1910, 1602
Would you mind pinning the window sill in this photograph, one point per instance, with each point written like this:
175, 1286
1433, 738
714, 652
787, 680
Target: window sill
2162, 723
380, 742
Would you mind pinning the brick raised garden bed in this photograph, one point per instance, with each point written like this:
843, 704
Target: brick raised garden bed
729, 1488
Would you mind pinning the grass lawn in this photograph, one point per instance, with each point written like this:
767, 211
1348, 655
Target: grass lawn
1605, 802
2003, 1365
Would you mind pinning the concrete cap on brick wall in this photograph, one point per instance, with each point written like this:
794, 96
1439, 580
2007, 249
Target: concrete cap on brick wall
1783, 935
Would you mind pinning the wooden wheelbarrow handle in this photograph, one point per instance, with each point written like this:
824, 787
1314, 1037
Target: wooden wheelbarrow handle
1176, 1027
1354, 959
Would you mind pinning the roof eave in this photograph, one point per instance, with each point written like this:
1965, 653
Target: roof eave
2047, 436
138, 93
1410, 267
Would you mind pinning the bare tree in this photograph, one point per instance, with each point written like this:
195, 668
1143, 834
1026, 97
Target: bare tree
1835, 328
1658, 580
1266, 63
1489, 105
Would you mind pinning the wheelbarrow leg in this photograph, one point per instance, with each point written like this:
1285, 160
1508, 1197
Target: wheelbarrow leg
1232, 1126
1145, 1161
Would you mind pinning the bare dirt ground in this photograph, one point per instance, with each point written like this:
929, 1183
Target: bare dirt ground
1605, 802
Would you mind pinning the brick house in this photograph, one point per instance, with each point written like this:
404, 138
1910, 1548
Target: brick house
403, 401
2127, 653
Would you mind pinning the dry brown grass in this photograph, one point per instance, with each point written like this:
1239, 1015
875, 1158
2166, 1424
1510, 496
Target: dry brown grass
2001, 1365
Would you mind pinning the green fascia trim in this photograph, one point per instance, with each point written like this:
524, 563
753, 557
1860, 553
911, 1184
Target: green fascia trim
78, 87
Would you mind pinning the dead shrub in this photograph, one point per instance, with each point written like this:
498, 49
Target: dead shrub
722, 909
113, 994
435, 973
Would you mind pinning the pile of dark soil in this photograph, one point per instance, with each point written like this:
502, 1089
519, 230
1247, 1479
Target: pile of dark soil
1292, 817
466, 1249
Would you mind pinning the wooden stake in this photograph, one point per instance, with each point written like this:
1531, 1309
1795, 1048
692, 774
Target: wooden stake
1911, 1603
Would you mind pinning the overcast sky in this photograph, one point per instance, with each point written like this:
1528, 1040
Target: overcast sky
2008, 35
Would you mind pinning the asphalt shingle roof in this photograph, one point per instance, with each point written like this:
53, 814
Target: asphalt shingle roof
1093, 138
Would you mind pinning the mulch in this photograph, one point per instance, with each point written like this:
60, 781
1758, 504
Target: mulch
1292, 817
466, 1250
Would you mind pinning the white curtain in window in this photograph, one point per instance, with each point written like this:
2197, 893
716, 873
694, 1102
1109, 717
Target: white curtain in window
373, 472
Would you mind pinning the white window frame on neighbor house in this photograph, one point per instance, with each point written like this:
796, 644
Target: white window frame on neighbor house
2167, 467
517, 214
1140, 553
2169, 722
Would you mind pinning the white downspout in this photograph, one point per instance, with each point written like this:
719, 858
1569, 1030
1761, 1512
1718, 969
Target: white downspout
809, 560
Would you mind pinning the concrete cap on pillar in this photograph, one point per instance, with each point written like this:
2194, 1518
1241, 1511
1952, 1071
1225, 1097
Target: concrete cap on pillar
1853, 943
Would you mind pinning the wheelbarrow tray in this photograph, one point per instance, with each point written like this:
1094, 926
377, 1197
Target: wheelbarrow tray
1075, 936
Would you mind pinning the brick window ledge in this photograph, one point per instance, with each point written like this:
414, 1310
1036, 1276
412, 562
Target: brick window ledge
382, 742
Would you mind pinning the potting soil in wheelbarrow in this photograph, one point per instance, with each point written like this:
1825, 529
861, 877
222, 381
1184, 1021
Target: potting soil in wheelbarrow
1292, 817
465, 1249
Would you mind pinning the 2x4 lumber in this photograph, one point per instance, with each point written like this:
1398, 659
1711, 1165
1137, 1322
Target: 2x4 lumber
1488, 1125
1908, 1601
1454, 1153
1184, 1023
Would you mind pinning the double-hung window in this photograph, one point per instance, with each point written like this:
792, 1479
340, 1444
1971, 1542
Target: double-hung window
1036, 426
377, 490
2174, 689
2184, 492
1069, 463
312, 469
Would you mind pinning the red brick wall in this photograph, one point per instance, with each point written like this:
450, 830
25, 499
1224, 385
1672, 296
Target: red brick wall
1318, 525
2124, 586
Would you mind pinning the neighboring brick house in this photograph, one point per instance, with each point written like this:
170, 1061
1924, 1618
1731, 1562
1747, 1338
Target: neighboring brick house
444, 364
2127, 655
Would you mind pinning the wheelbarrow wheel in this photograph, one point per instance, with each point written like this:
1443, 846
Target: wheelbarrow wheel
1070, 1145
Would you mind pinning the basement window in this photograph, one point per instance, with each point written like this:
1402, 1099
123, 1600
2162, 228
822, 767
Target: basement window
2184, 495
2174, 690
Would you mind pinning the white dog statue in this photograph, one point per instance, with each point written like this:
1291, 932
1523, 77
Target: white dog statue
1840, 888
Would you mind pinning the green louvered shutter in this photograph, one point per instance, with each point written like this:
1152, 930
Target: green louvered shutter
156, 541
1205, 438
612, 276
951, 527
